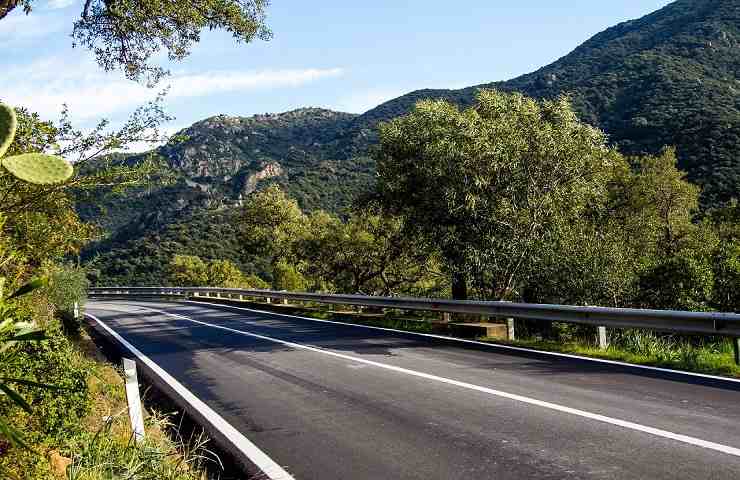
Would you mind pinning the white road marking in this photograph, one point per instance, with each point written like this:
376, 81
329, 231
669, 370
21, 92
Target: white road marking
486, 344
511, 396
268, 466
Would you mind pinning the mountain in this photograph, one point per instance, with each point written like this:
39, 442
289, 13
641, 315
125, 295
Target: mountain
220, 160
669, 78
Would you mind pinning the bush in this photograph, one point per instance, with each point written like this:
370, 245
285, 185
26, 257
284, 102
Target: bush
67, 286
726, 294
681, 282
287, 277
56, 414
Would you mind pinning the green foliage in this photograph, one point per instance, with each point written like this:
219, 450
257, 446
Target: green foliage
28, 399
67, 285
680, 282
55, 412
106, 456
141, 256
366, 253
31, 167
127, 34
270, 223
38, 168
192, 271
188, 271
8, 125
490, 184
287, 277
664, 79
726, 269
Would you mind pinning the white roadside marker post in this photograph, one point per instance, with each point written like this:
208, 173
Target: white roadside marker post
601, 337
510, 329
135, 412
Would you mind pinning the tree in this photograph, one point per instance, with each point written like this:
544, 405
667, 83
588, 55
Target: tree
287, 277
188, 271
125, 34
271, 223
368, 253
656, 204
490, 184
726, 294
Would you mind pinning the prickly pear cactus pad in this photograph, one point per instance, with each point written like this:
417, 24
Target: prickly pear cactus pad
38, 168
7, 127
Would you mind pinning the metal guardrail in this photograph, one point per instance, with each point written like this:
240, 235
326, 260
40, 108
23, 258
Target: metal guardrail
714, 323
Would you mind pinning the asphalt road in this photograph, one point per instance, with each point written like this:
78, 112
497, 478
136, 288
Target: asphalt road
330, 401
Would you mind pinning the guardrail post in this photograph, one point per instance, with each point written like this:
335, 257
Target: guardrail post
268, 300
736, 349
601, 337
133, 399
285, 301
446, 317
510, 334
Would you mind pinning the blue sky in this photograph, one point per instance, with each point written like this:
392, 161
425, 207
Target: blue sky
339, 54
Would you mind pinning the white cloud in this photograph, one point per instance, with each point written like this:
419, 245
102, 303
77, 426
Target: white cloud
45, 85
19, 27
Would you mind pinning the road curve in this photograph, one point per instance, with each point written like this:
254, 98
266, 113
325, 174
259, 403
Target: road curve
333, 401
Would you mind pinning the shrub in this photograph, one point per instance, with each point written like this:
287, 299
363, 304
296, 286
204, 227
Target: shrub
287, 277
56, 414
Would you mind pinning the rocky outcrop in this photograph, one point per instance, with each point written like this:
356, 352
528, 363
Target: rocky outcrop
271, 170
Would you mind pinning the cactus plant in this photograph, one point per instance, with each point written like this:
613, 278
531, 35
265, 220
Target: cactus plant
7, 127
38, 168
31, 167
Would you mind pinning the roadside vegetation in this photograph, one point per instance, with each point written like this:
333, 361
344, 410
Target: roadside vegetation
63, 411
512, 199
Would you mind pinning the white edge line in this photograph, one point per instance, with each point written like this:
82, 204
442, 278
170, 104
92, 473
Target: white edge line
486, 344
511, 396
267, 465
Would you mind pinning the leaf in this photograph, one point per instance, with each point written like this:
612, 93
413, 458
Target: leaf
8, 125
38, 168
12, 435
32, 335
5, 473
29, 287
29, 383
17, 399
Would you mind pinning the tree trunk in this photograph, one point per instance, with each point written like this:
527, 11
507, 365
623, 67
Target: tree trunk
6, 6
459, 286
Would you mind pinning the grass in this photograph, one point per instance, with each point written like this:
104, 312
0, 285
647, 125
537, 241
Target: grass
641, 347
107, 449
101, 446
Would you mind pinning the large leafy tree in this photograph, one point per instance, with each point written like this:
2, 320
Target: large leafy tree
490, 184
125, 34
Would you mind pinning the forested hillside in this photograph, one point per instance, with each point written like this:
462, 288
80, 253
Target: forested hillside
669, 78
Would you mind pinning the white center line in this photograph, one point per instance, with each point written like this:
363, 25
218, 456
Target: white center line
498, 393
